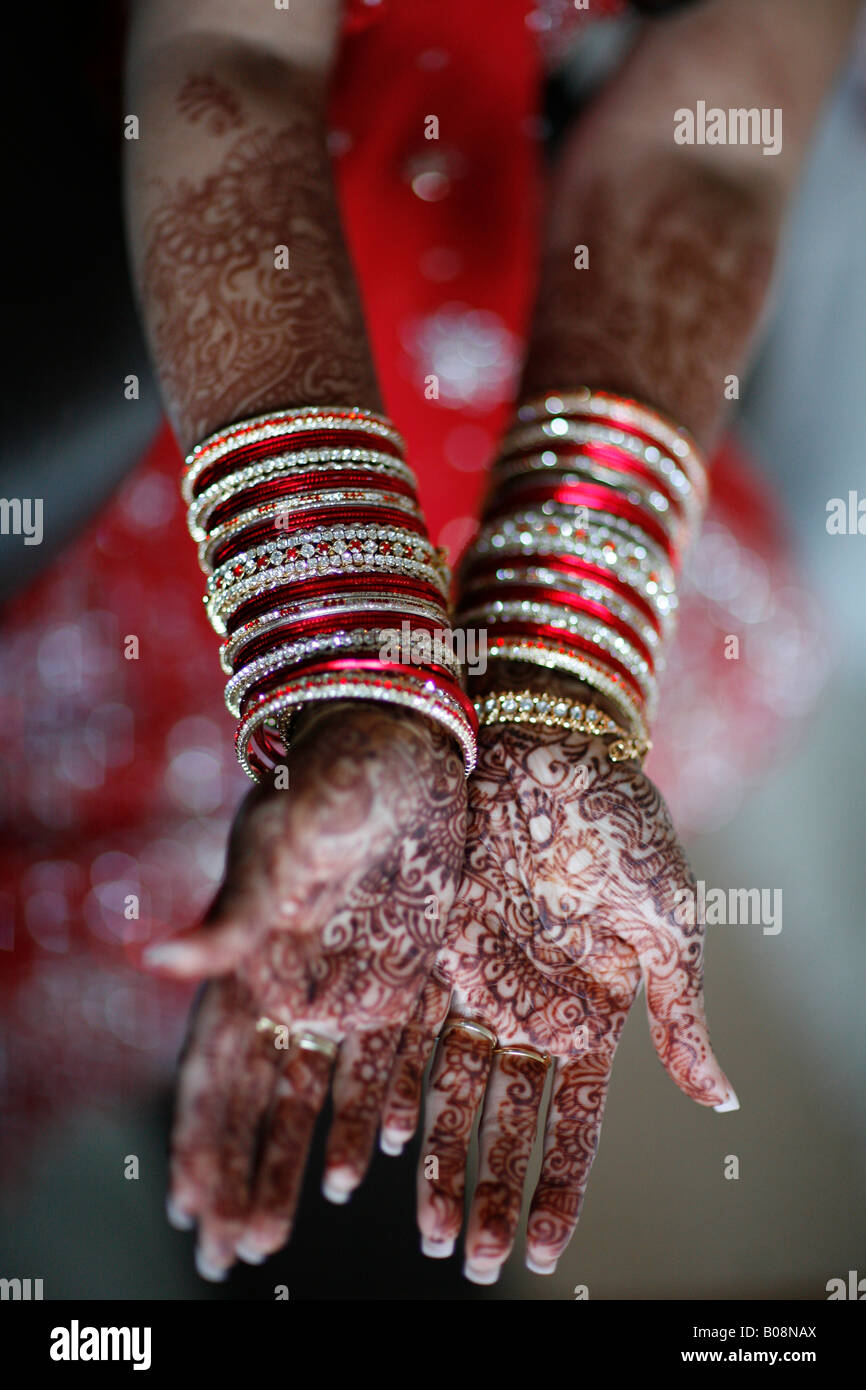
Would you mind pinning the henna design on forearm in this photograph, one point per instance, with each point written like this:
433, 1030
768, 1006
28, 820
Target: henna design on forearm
203, 98
671, 298
233, 333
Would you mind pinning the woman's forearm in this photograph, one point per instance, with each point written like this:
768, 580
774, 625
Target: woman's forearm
246, 288
680, 238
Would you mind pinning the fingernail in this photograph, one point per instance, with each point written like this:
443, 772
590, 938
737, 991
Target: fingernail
167, 953
730, 1104
391, 1143
480, 1274
177, 1217
437, 1249
250, 1254
541, 1266
209, 1271
336, 1190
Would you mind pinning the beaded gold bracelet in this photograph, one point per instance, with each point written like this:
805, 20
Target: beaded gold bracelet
554, 712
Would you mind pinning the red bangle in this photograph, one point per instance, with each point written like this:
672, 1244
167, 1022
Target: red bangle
289, 485
315, 666
569, 639
294, 629
563, 598
592, 496
257, 533
330, 586
561, 564
277, 445
438, 677
618, 460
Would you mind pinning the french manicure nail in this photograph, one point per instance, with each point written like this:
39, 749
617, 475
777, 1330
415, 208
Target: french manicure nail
177, 1217
437, 1249
166, 953
211, 1272
479, 1274
250, 1254
540, 1266
336, 1192
390, 1144
730, 1104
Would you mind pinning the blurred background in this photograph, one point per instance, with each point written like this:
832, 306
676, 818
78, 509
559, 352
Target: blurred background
89, 1045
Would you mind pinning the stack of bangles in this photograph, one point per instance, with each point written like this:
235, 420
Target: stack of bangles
319, 571
595, 499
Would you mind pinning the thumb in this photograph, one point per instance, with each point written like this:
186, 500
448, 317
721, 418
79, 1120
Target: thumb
678, 1026
227, 933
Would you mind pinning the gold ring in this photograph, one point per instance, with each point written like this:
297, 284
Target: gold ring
267, 1025
519, 1050
303, 1038
469, 1025
316, 1042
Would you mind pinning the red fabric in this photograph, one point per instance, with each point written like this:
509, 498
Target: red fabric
436, 60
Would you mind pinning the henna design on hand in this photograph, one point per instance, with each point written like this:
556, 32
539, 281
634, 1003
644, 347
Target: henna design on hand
321, 925
568, 899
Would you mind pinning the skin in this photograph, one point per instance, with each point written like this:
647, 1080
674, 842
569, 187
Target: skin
333, 909
568, 900
572, 869
681, 238
321, 920
550, 932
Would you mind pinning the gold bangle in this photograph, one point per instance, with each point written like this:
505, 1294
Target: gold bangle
555, 658
527, 707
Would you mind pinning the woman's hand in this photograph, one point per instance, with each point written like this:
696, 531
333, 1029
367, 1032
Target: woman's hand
575, 888
336, 894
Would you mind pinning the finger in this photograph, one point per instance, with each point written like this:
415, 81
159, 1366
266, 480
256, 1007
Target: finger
402, 1102
298, 1096
207, 1081
678, 1023
508, 1127
360, 1080
457, 1082
202, 1087
571, 1139
225, 1211
217, 946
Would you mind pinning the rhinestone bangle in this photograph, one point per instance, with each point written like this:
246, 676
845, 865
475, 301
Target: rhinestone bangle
282, 426
624, 411
556, 658
356, 642
296, 465
528, 707
315, 688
